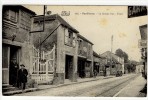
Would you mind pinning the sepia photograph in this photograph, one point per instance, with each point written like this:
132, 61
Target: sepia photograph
74, 50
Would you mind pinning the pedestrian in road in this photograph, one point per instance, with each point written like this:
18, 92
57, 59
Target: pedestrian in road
13, 72
22, 73
104, 72
95, 73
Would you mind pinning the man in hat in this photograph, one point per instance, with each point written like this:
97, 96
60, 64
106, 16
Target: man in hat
22, 73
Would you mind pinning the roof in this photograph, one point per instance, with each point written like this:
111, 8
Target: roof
109, 52
97, 55
113, 56
84, 38
114, 60
16, 7
54, 17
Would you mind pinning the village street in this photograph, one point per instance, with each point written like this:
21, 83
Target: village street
44, 53
100, 88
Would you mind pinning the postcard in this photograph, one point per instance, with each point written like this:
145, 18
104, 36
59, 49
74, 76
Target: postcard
74, 50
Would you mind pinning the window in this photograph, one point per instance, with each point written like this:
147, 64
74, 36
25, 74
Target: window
6, 14
74, 40
10, 15
25, 22
13, 16
89, 50
70, 38
80, 43
113, 66
80, 47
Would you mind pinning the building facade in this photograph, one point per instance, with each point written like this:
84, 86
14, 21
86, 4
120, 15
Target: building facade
16, 26
96, 60
99, 63
50, 48
114, 63
143, 46
139, 68
85, 57
72, 52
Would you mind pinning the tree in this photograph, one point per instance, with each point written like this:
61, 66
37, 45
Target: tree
123, 54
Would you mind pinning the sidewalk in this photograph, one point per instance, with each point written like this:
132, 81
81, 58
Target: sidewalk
133, 88
68, 82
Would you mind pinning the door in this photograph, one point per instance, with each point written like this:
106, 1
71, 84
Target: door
5, 64
68, 67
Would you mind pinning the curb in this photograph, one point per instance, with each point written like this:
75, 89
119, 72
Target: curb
61, 85
56, 86
20, 91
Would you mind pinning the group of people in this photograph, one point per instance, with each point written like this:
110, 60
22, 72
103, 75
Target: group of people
18, 76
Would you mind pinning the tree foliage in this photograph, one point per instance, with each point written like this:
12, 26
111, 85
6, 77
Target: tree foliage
123, 54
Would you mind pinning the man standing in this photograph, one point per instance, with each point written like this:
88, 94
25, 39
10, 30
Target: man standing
13, 71
22, 73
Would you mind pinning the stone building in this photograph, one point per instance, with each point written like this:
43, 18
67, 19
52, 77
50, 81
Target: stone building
16, 26
85, 57
50, 48
72, 56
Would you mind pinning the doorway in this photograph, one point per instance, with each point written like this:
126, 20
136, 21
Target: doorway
96, 67
68, 67
81, 68
9, 53
14, 65
5, 63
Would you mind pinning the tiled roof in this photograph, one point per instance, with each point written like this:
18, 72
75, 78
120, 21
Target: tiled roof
108, 53
84, 38
95, 54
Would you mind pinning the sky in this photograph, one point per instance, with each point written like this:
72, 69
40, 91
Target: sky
99, 23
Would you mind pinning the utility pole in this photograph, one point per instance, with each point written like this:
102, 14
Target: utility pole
44, 10
40, 55
111, 52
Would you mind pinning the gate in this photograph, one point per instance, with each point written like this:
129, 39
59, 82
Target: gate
42, 70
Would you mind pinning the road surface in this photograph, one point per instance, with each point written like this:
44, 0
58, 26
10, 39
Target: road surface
99, 88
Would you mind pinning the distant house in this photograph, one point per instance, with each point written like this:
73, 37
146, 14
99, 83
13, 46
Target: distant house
99, 63
96, 60
139, 68
114, 63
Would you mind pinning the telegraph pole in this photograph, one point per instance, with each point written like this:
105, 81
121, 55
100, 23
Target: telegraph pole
111, 43
111, 52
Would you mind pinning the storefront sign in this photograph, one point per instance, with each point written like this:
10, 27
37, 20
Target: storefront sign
143, 32
135, 11
142, 44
